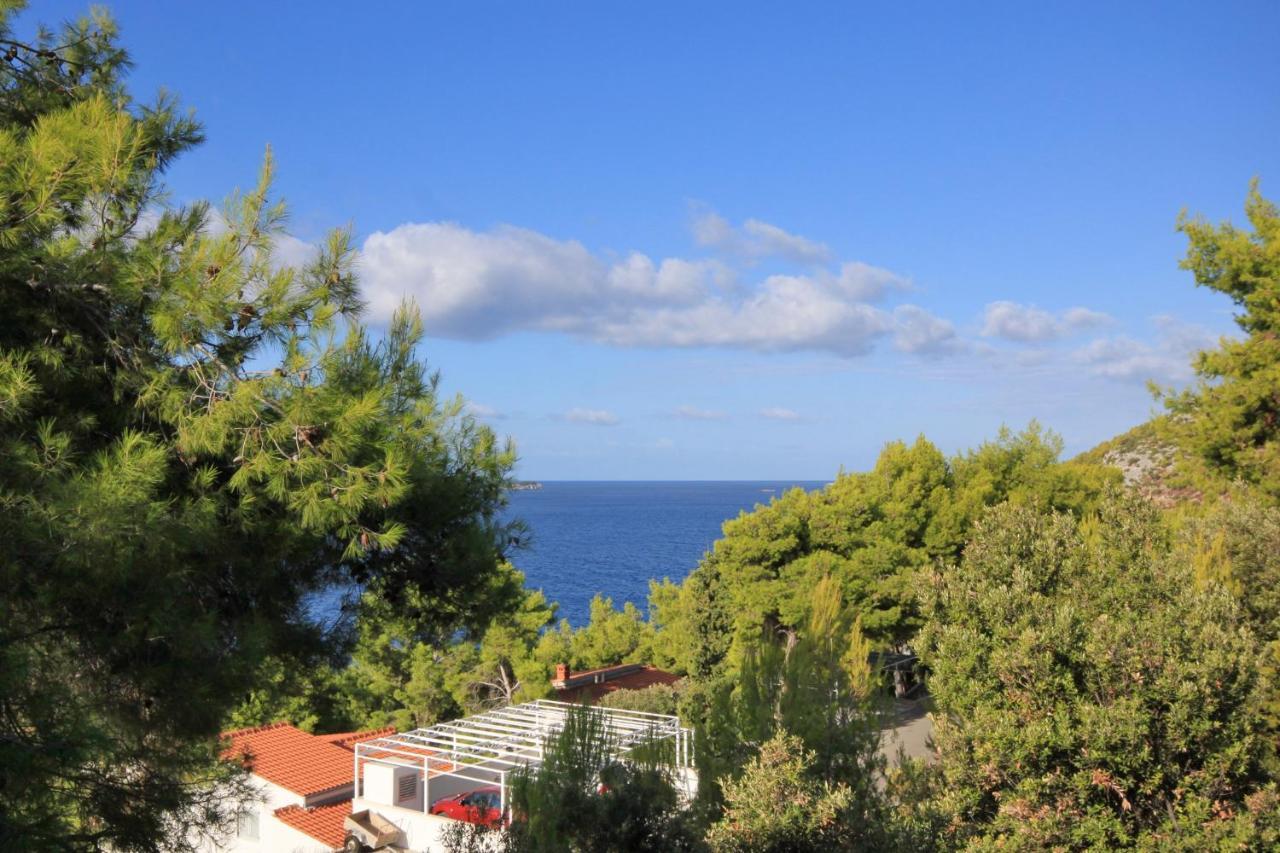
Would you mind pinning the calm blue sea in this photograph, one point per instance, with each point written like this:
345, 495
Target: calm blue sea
613, 537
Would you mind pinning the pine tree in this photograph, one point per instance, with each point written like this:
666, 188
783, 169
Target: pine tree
193, 437
1231, 419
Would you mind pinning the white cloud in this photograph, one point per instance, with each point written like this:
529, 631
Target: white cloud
755, 240
1184, 337
480, 410
1029, 324
779, 414
1033, 357
784, 313
1086, 318
595, 417
863, 281
479, 285
692, 413
920, 332
1123, 357
292, 252
1167, 359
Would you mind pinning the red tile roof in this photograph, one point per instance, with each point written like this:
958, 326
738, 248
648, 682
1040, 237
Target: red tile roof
348, 740
323, 823
610, 678
303, 763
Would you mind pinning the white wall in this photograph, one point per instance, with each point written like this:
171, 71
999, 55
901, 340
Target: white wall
273, 836
382, 784
421, 830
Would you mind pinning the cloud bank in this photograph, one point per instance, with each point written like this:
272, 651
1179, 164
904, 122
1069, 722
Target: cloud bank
1028, 324
594, 417
1167, 359
479, 285
693, 413
755, 240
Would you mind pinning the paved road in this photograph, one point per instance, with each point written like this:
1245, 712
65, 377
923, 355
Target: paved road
909, 732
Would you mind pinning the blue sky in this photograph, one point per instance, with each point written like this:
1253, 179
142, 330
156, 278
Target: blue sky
739, 241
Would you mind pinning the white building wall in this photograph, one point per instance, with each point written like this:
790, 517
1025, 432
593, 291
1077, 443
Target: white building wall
388, 783
273, 836
421, 830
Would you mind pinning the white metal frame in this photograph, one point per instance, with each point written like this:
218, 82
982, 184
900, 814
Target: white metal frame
499, 742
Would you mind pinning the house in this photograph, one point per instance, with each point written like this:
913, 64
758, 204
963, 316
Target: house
405, 778
316, 791
588, 687
305, 782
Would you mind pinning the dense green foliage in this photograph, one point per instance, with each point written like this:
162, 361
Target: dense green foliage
773, 627
815, 692
874, 533
1237, 544
1092, 694
816, 688
405, 672
196, 437
1231, 420
610, 636
777, 805
193, 437
654, 699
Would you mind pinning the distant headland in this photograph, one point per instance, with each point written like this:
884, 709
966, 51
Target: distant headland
525, 486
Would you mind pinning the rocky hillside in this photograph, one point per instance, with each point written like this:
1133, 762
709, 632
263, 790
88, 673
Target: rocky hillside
1149, 463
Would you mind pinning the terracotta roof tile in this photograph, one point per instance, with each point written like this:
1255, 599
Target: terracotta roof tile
635, 679
291, 758
348, 740
337, 736
323, 823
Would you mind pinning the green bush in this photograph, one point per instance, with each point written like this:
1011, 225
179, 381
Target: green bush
655, 699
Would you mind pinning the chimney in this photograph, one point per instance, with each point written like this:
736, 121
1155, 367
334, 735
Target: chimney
562, 672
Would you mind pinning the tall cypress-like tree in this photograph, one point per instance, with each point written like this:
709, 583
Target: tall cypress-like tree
193, 437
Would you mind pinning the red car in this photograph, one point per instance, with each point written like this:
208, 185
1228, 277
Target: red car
483, 805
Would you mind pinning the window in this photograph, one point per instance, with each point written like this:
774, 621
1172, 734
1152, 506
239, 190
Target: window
247, 826
408, 788
481, 800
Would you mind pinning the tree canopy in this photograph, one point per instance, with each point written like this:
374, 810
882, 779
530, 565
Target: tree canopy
1231, 419
197, 439
194, 437
1091, 693
872, 532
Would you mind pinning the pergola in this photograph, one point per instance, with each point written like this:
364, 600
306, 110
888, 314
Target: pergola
488, 747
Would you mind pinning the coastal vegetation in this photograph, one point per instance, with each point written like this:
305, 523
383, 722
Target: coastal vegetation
196, 437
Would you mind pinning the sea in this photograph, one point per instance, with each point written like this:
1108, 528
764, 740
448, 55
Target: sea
613, 537
609, 538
